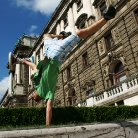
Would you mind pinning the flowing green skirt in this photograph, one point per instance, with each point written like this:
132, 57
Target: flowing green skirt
45, 79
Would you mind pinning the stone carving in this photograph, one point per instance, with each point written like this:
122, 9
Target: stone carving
122, 59
101, 46
72, 70
114, 56
105, 69
64, 76
114, 2
116, 35
88, 84
111, 56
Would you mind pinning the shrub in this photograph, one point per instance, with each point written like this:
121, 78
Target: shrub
18, 117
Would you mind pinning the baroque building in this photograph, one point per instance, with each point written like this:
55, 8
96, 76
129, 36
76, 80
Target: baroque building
17, 92
102, 69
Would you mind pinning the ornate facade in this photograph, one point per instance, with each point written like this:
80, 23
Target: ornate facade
102, 68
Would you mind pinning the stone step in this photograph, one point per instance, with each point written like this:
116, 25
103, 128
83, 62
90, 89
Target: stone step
120, 129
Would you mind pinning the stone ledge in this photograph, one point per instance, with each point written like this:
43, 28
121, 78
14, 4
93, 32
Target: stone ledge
120, 129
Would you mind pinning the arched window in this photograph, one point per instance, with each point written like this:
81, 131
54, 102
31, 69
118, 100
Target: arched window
119, 72
81, 21
71, 97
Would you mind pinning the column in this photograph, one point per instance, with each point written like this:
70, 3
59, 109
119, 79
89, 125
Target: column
29, 76
10, 84
62, 25
58, 29
41, 54
18, 71
71, 20
87, 7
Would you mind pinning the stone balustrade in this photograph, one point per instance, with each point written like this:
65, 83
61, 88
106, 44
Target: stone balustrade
123, 87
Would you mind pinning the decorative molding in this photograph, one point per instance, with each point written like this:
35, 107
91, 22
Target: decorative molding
81, 19
101, 47
114, 56
88, 83
64, 76
116, 35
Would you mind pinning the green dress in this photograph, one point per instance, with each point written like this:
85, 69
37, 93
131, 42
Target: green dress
45, 78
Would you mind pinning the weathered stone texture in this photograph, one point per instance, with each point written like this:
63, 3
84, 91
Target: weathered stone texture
127, 129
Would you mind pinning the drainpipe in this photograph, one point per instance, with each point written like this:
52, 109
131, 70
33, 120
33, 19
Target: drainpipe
63, 88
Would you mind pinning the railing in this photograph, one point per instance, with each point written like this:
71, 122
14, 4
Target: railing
126, 86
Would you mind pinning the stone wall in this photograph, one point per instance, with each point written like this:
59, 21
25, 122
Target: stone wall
120, 129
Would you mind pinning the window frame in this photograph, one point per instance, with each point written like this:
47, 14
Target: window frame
69, 74
85, 60
66, 22
118, 74
88, 94
79, 5
136, 15
109, 41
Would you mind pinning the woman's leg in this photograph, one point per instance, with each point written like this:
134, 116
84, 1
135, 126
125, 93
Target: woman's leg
30, 64
36, 97
49, 105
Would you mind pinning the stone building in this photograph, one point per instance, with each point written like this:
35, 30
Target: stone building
17, 92
102, 68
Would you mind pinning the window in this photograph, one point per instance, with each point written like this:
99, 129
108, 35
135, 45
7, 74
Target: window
103, 7
79, 5
136, 15
69, 73
90, 92
109, 41
85, 59
38, 56
120, 103
65, 22
119, 72
71, 97
82, 26
81, 21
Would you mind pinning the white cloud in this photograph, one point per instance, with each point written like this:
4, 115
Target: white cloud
32, 30
3, 86
42, 6
33, 27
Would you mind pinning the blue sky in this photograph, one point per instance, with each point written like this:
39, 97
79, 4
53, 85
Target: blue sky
18, 17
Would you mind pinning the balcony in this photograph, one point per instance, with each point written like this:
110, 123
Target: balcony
126, 90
